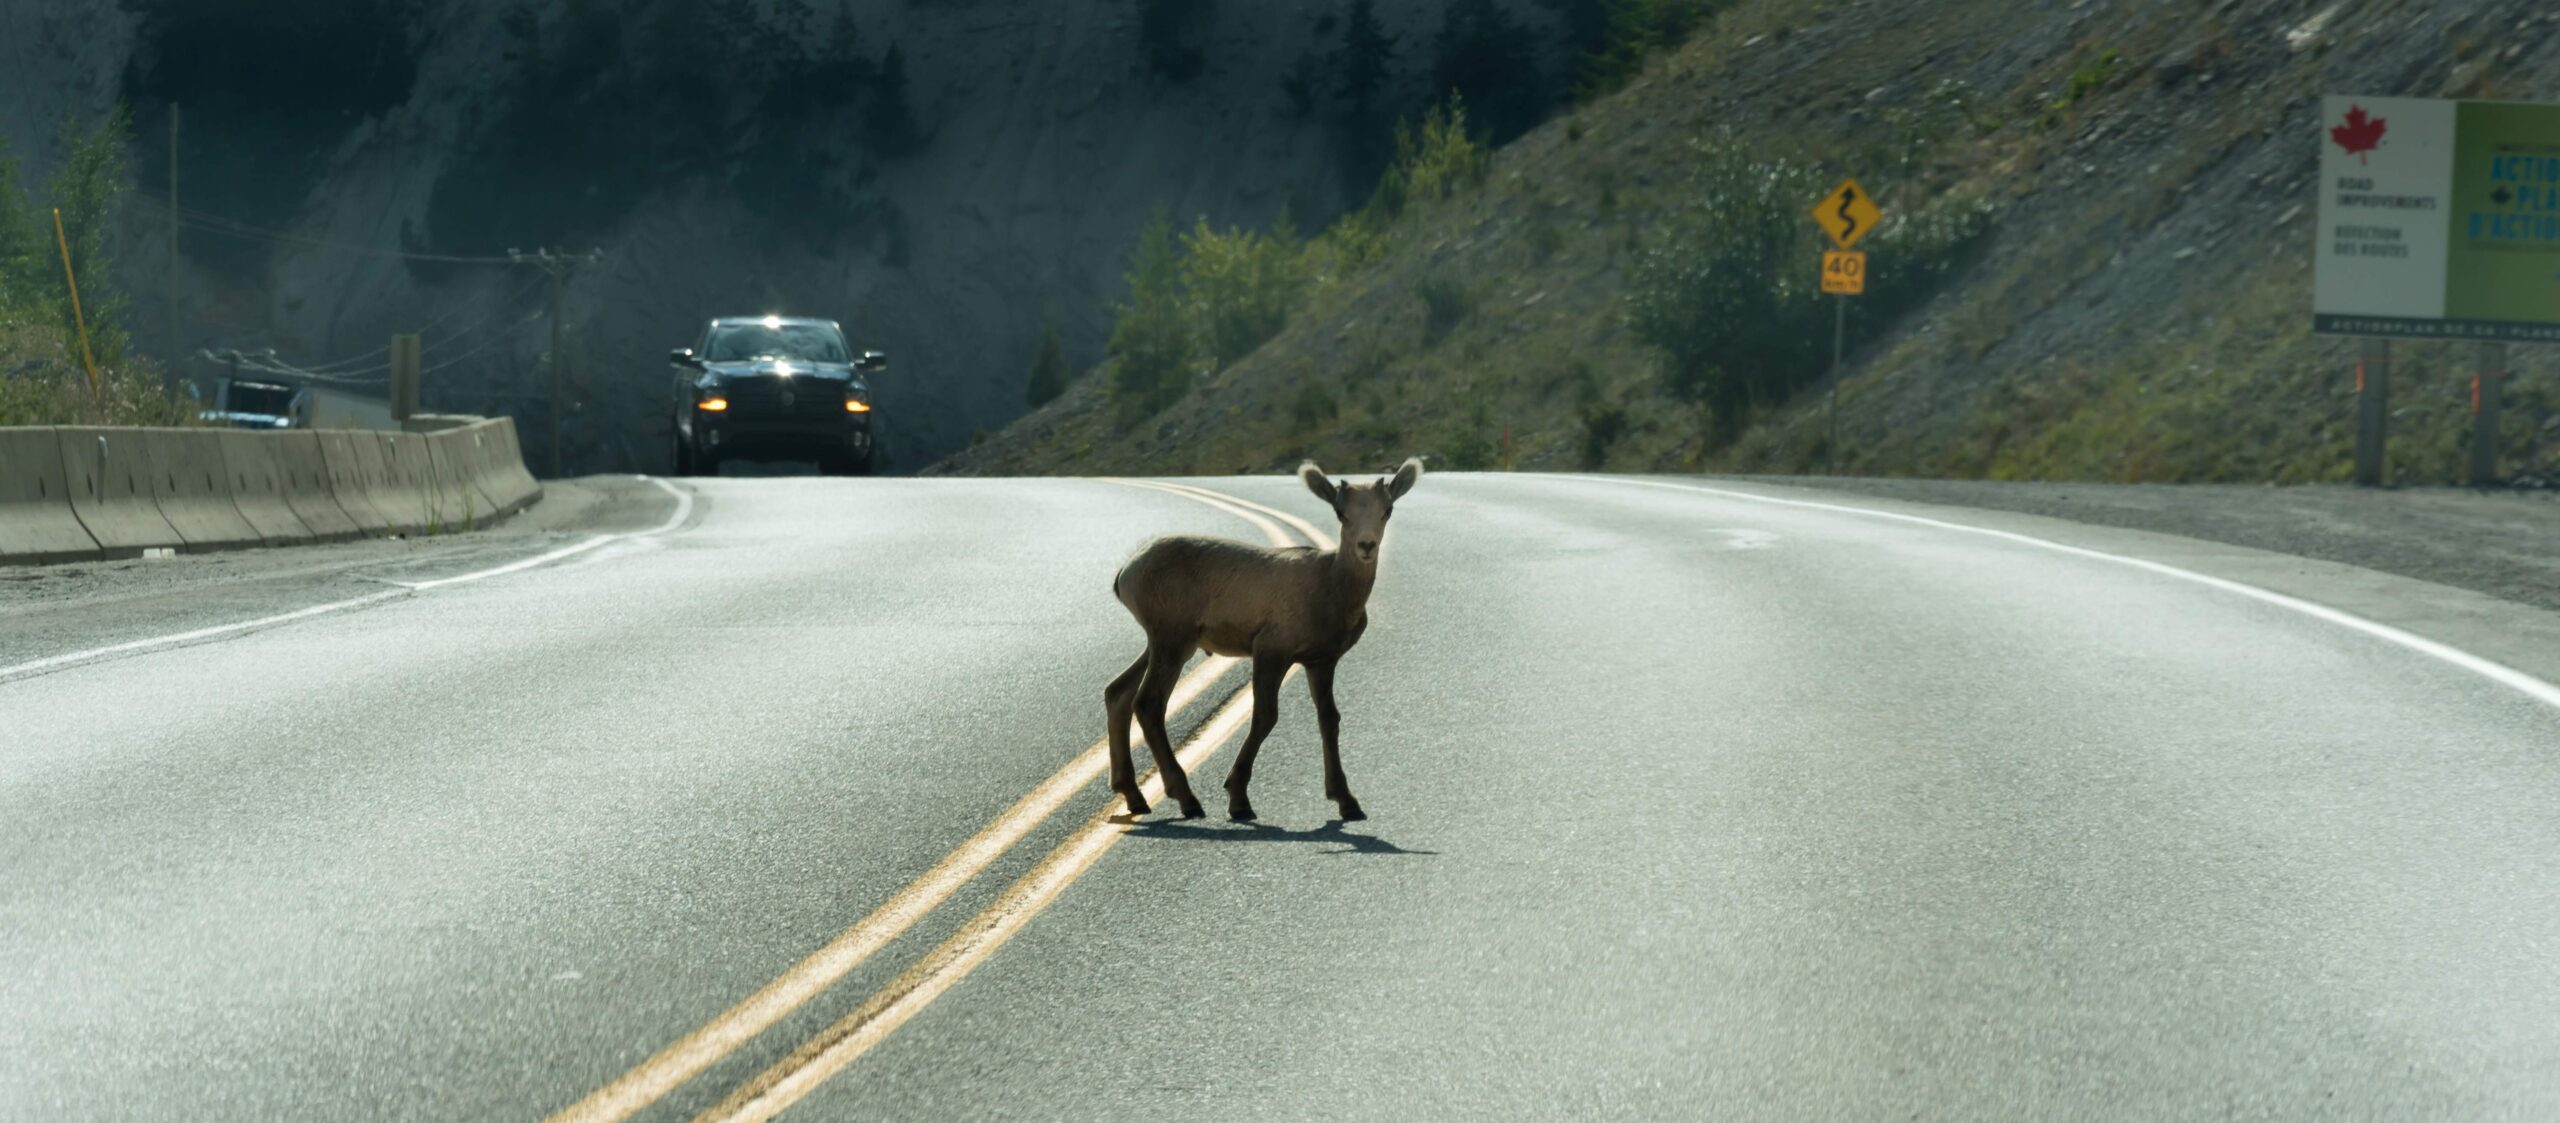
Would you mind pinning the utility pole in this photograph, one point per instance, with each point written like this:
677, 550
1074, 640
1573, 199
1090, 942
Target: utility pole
169, 374
404, 377
558, 265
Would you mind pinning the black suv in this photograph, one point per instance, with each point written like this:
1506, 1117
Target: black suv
773, 388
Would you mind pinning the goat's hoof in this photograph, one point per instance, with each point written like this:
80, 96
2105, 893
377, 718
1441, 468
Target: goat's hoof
1351, 812
1240, 811
1137, 803
1191, 808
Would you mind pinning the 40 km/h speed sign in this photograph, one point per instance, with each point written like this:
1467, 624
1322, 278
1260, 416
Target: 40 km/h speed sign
1844, 272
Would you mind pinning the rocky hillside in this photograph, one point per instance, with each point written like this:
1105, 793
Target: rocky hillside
322, 139
2136, 305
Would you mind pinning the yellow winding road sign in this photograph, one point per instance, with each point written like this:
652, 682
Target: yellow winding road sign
1847, 214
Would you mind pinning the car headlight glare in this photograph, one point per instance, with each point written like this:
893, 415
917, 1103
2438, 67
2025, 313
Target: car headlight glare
712, 405
856, 405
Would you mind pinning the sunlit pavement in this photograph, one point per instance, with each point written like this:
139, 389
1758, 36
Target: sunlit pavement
1681, 806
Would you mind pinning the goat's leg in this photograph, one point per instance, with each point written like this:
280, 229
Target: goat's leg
1164, 665
1119, 705
1268, 670
1329, 724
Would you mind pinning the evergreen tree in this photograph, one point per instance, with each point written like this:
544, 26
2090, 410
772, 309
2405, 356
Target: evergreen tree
1489, 59
1166, 29
1585, 28
1048, 370
87, 188
20, 244
1152, 345
889, 122
1360, 63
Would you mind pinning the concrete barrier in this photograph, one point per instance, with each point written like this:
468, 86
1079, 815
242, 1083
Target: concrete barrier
257, 485
310, 489
459, 506
437, 422
410, 493
496, 467
348, 480
191, 484
109, 471
509, 483
36, 523
480, 450
73, 492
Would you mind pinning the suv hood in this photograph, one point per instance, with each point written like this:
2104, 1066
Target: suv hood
796, 368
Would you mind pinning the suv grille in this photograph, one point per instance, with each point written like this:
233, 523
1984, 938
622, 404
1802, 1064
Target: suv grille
777, 398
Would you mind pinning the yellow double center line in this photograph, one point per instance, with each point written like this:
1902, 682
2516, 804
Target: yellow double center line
783, 1084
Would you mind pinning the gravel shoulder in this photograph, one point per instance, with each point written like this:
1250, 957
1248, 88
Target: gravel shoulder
2502, 544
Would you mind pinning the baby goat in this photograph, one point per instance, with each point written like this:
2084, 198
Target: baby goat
1278, 607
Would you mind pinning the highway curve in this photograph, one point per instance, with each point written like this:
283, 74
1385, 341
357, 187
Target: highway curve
1683, 804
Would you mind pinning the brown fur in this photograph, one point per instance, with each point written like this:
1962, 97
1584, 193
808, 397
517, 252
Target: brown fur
1277, 607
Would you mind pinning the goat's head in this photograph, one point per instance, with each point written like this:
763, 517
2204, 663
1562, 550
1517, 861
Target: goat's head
1362, 508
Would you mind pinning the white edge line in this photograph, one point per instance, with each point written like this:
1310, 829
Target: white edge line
684, 509
2528, 685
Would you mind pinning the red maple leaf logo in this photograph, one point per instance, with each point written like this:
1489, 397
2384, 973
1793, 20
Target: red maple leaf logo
2361, 134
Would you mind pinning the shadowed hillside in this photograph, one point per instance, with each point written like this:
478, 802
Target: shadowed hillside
2105, 218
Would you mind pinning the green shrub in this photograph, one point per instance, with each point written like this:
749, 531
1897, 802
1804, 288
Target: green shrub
1445, 304
44, 379
1242, 286
1433, 163
1729, 293
1473, 449
1602, 425
1314, 405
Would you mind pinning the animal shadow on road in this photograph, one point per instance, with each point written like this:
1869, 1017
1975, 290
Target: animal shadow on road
1334, 831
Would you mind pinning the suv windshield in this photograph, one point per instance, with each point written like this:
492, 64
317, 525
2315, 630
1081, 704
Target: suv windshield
260, 397
815, 343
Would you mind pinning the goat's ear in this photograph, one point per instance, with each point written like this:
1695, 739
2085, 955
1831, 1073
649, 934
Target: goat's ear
1313, 477
1405, 478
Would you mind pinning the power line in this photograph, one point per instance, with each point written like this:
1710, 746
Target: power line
496, 341
507, 298
232, 227
266, 363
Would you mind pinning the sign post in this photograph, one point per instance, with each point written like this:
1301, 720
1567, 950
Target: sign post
1847, 214
2438, 220
2373, 409
2489, 372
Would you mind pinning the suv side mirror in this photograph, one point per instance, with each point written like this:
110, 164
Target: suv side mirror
683, 357
873, 360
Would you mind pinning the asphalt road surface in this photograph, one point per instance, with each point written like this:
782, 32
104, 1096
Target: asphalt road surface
1683, 804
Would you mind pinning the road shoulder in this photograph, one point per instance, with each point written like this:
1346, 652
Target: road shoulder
50, 609
2525, 636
